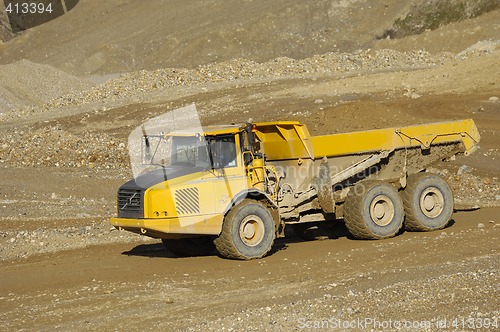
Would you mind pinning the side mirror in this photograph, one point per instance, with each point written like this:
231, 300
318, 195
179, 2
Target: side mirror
147, 145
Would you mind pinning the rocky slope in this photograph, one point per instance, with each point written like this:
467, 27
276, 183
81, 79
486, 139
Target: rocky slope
92, 39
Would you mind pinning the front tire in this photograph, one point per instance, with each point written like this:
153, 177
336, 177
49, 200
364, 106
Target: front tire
373, 210
428, 202
248, 231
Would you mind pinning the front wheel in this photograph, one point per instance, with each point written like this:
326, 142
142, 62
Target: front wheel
373, 210
248, 231
428, 202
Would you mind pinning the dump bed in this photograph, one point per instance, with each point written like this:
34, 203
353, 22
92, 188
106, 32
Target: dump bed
291, 140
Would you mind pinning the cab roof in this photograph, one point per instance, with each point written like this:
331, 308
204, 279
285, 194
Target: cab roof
213, 130
209, 130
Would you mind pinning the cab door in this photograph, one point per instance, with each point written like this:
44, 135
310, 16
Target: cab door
229, 171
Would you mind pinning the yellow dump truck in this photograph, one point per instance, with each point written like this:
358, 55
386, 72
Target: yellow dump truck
234, 188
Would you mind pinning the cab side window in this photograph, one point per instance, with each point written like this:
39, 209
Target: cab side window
224, 151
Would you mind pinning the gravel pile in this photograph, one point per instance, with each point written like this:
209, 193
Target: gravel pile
241, 69
28, 84
5, 29
64, 90
53, 146
48, 89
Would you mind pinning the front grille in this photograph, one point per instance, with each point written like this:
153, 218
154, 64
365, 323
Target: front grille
187, 201
130, 203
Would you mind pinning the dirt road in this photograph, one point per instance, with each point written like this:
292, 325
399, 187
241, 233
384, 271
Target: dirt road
451, 273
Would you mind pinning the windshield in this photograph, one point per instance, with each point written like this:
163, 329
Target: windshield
190, 151
211, 152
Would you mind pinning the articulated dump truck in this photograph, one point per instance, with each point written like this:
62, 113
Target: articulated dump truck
234, 188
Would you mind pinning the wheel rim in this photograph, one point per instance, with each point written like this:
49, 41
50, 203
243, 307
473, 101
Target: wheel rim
382, 210
432, 202
252, 230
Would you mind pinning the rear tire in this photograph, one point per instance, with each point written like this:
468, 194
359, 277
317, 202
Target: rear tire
427, 201
248, 231
373, 210
189, 247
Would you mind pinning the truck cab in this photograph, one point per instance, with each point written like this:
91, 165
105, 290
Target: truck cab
190, 182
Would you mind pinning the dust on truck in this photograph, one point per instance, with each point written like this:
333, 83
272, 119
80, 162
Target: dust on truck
234, 188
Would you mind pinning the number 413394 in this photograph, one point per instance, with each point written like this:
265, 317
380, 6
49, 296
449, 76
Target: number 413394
28, 8
475, 323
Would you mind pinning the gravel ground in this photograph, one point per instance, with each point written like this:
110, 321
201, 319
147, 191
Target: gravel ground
53, 146
368, 309
15, 244
422, 279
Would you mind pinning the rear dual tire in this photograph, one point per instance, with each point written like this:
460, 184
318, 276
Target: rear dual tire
427, 201
375, 210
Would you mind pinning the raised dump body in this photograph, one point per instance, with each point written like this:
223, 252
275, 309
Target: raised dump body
339, 161
291, 140
276, 173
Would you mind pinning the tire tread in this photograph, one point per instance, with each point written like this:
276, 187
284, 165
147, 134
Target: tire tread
411, 222
225, 244
353, 215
